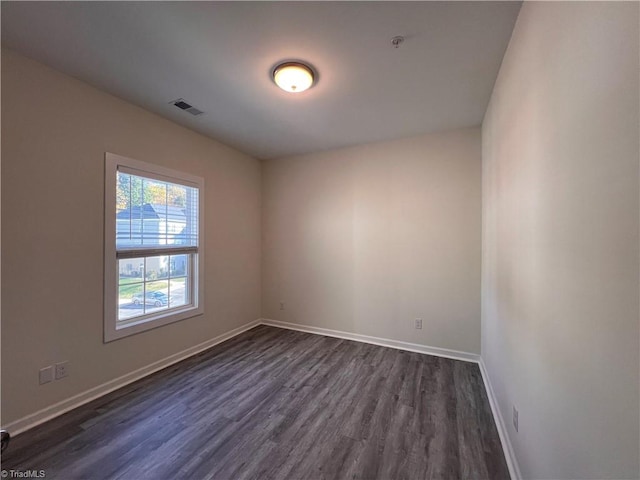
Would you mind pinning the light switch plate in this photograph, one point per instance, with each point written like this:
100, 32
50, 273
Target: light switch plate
46, 375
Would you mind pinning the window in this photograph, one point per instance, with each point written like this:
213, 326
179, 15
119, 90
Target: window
153, 260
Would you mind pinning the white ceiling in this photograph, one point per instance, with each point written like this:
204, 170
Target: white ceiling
218, 56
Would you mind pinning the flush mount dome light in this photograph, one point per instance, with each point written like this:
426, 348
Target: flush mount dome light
293, 77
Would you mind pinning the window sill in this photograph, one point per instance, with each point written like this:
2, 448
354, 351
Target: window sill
134, 326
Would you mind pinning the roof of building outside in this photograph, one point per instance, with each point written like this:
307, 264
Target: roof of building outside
150, 211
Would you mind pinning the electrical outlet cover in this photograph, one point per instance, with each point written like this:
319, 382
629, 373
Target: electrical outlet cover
62, 370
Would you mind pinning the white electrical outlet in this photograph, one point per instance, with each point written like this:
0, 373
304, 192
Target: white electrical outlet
419, 323
62, 370
281, 305
46, 375
515, 418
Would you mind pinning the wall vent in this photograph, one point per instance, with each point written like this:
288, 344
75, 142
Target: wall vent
186, 106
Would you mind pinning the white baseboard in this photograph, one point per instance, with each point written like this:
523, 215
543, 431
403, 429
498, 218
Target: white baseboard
25, 423
384, 342
512, 463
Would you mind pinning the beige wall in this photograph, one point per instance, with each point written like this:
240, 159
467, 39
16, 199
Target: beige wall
560, 239
366, 239
55, 131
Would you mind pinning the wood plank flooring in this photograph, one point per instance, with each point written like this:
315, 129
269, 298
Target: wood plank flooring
279, 404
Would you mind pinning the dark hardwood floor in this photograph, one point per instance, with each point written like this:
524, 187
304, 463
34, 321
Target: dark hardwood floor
279, 404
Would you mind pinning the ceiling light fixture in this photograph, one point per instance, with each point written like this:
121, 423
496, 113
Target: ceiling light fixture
293, 77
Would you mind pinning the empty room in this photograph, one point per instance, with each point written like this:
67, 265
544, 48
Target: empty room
320, 240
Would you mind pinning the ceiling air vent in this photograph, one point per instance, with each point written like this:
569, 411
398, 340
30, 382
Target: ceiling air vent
182, 105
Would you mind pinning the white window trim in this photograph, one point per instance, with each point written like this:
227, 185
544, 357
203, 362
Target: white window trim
111, 329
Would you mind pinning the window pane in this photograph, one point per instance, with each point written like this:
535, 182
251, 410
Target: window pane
178, 265
130, 302
136, 211
157, 296
176, 195
156, 267
131, 270
154, 219
180, 292
123, 193
190, 235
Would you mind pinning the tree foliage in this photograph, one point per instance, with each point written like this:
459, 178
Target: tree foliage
133, 190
